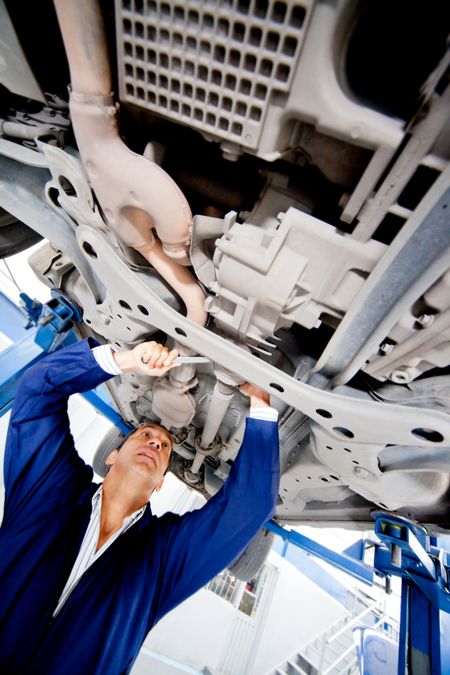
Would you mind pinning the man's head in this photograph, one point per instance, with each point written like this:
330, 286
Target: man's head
143, 456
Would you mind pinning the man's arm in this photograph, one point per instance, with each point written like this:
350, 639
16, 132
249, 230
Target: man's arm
202, 543
39, 447
40, 453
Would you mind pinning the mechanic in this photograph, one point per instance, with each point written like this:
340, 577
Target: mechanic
86, 570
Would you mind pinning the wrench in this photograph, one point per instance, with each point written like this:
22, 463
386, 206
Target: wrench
181, 360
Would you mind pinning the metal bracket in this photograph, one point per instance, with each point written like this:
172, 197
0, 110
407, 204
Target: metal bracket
350, 419
54, 320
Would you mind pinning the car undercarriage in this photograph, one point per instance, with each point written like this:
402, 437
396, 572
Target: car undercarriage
273, 197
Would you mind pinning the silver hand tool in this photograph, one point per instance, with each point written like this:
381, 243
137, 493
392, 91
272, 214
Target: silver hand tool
181, 360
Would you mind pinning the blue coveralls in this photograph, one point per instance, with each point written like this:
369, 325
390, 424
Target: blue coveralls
144, 574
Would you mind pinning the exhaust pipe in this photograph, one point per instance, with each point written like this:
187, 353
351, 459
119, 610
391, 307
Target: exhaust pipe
136, 195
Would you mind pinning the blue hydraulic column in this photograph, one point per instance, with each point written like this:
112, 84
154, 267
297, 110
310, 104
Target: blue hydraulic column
407, 551
404, 628
428, 636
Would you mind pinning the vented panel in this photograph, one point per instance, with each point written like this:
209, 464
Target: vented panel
213, 65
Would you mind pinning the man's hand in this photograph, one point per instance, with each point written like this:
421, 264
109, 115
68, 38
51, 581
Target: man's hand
149, 358
258, 397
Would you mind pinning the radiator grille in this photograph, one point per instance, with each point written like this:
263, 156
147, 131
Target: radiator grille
213, 65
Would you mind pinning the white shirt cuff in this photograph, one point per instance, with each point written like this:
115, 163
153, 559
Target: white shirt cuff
105, 359
264, 413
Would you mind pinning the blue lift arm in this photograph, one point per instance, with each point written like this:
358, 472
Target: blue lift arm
355, 568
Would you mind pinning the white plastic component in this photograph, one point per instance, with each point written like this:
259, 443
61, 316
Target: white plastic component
267, 278
249, 75
213, 66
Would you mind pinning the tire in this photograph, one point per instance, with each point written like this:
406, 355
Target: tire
14, 235
111, 441
251, 560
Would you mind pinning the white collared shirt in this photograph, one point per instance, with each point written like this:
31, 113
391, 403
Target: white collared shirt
87, 553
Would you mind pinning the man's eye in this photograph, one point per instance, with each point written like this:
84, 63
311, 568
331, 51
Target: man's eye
165, 445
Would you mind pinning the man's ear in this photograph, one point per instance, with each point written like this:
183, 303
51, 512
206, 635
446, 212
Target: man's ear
110, 460
160, 484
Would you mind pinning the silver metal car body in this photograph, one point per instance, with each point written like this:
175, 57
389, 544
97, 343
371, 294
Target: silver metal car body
319, 246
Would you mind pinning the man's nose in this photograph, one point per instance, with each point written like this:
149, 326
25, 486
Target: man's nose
155, 444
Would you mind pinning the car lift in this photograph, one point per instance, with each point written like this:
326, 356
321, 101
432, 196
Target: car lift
49, 326
402, 548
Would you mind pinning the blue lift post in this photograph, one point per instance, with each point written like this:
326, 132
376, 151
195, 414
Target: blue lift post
405, 549
408, 552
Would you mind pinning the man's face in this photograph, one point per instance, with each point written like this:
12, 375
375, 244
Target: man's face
144, 454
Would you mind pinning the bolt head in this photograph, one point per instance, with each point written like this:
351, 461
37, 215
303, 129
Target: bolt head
404, 375
425, 320
386, 347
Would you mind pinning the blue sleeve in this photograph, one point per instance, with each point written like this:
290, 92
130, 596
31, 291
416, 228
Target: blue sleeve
40, 455
202, 543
